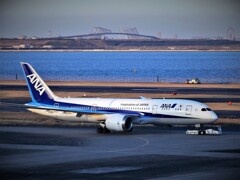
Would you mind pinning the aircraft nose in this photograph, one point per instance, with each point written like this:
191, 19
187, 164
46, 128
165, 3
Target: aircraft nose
214, 116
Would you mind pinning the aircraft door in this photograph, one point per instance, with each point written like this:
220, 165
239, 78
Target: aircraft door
154, 109
93, 108
188, 109
56, 105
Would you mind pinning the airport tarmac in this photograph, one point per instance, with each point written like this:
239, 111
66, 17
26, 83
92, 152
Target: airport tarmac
34, 146
13, 94
37, 152
136, 89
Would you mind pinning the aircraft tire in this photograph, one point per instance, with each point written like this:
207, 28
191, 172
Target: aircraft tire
106, 131
130, 130
100, 130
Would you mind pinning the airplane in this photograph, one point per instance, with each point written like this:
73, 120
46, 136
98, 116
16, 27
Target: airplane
114, 114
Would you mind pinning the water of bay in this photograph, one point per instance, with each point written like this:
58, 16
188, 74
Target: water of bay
212, 67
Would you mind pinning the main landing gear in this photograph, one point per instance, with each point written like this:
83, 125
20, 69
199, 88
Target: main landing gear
103, 130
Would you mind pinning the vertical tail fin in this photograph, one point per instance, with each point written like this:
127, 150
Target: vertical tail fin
38, 90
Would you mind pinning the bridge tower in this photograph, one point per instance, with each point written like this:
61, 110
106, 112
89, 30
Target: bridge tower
99, 31
231, 34
131, 32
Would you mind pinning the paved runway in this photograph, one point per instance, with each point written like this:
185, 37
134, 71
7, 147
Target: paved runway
115, 89
9, 104
146, 153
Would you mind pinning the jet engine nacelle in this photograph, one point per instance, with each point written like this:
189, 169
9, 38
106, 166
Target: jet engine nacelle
119, 123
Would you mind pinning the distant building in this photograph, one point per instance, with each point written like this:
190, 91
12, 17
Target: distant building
47, 46
22, 37
34, 37
21, 46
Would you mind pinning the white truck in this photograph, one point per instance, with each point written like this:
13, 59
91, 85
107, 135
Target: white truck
193, 81
217, 131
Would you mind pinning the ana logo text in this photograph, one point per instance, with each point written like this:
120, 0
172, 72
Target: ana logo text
37, 84
168, 106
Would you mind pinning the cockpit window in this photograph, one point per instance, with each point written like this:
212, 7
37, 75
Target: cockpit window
206, 109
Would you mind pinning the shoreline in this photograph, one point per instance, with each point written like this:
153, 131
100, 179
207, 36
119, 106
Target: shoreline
106, 50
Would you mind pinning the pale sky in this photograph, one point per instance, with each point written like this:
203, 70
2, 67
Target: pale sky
186, 18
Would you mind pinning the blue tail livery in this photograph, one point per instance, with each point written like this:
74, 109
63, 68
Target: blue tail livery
39, 91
